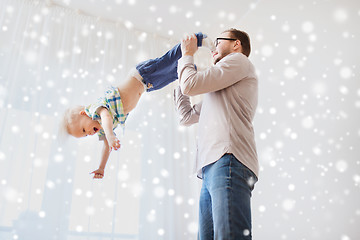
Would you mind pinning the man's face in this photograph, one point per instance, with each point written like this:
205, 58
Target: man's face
224, 47
83, 126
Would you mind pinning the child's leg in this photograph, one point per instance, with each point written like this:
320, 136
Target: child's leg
152, 75
159, 72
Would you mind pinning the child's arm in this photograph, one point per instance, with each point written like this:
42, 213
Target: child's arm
107, 125
99, 173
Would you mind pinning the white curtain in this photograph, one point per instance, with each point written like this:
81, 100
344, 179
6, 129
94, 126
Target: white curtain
51, 58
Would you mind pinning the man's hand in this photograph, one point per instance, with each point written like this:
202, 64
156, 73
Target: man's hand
98, 174
114, 143
189, 45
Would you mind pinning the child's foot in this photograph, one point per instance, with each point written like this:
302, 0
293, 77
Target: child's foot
206, 42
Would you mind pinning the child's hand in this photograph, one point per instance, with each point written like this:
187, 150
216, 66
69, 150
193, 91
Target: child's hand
114, 143
99, 173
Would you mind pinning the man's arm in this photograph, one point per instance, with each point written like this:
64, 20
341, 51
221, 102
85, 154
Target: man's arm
188, 115
228, 71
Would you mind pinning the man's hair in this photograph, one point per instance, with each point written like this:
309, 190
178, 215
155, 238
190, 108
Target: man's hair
244, 39
69, 116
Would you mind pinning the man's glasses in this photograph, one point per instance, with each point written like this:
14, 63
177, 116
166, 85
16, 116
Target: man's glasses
217, 40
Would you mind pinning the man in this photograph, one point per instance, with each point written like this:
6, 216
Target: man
226, 152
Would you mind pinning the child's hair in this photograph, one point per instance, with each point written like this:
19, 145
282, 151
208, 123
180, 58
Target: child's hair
69, 116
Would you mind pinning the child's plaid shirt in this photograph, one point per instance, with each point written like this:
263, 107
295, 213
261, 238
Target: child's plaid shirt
112, 102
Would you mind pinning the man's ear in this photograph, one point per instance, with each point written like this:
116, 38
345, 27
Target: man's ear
238, 45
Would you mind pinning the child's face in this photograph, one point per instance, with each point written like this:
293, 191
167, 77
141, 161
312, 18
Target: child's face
84, 126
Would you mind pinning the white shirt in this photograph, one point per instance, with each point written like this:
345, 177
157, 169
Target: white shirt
226, 112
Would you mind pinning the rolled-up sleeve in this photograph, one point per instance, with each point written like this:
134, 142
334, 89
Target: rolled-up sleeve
188, 114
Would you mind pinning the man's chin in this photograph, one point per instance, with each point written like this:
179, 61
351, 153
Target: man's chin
217, 59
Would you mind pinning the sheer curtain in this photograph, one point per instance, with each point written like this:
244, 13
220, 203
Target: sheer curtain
51, 58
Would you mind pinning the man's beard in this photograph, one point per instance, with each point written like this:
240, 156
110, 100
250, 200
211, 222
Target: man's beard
219, 57
217, 60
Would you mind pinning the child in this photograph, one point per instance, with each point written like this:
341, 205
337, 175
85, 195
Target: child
112, 110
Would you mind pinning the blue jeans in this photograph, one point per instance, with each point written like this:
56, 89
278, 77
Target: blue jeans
224, 209
161, 71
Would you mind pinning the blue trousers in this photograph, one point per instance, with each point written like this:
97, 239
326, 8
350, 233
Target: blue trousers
224, 209
159, 72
